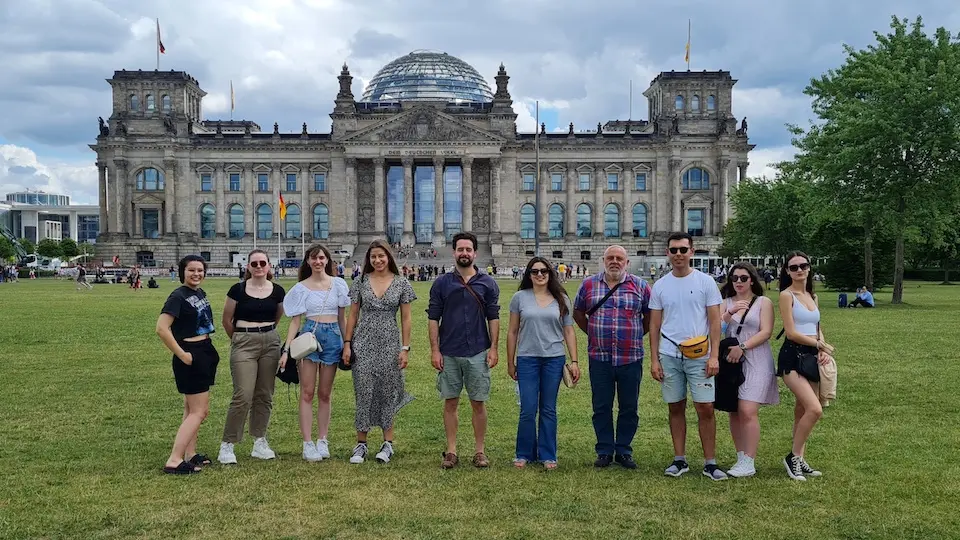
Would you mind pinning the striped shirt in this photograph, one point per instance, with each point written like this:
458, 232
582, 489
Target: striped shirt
615, 330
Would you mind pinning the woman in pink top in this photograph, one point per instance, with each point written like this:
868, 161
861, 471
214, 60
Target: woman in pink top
760, 385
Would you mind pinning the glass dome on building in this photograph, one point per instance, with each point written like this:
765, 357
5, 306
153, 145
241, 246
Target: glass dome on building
427, 76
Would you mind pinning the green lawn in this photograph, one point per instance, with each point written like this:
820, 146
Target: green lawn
90, 409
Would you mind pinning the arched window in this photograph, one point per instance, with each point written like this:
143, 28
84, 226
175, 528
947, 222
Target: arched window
611, 221
555, 221
321, 222
528, 219
236, 221
134, 102
695, 103
584, 221
165, 104
208, 221
678, 103
150, 179
640, 220
696, 179
151, 103
264, 221
711, 103
293, 221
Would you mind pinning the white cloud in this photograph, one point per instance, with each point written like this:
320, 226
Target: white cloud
762, 160
20, 169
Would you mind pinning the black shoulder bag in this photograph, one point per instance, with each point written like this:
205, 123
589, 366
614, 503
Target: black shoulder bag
603, 300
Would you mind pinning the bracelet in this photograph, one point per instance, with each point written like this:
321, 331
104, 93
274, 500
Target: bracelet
348, 341
574, 362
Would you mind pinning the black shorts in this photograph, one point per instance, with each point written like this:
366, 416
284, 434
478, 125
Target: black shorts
199, 376
789, 357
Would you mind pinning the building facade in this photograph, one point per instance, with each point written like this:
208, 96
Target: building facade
37, 215
428, 150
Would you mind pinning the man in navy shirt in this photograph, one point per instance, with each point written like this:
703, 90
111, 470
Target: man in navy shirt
464, 336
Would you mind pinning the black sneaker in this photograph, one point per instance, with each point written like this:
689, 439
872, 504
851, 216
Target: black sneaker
677, 468
808, 470
794, 467
626, 461
713, 472
603, 460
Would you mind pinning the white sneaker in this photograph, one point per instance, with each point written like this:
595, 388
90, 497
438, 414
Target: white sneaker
227, 457
310, 452
744, 468
323, 449
261, 450
359, 453
385, 453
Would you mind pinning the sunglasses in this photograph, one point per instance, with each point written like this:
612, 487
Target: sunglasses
741, 279
799, 267
681, 250
258, 264
539, 272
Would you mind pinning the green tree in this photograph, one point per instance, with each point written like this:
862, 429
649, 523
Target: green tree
27, 245
49, 248
7, 251
86, 248
886, 142
68, 247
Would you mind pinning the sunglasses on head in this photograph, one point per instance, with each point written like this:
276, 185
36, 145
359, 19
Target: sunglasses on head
258, 264
681, 250
539, 272
798, 267
741, 279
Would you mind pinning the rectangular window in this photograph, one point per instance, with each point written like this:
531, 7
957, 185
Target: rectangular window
613, 182
263, 184
695, 221
206, 182
556, 181
319, 182
641, 184
529, 182
87, 228
234, 181
291, 182
150, 223
205, 255
584, 181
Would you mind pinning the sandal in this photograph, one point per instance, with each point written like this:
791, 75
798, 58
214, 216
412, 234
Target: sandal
519, 463
199, 460
480, 461
450, 460
549, 465
184, 467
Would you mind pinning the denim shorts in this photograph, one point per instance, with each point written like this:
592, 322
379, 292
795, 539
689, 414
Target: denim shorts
329, 339
677, 372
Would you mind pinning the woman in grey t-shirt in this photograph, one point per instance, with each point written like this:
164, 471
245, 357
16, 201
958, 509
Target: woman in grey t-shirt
541, 323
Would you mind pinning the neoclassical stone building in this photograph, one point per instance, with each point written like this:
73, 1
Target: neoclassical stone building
427, 151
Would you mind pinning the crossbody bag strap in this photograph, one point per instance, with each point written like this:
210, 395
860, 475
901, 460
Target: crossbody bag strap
740, 327
603, 300
483, 306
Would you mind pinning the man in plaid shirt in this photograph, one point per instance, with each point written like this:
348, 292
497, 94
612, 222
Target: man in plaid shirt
615, 329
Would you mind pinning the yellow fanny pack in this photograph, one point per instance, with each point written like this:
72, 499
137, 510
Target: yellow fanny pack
693, 348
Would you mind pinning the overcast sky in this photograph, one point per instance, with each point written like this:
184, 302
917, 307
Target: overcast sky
283, 56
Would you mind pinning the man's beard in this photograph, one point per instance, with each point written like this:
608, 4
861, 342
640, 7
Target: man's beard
462, 264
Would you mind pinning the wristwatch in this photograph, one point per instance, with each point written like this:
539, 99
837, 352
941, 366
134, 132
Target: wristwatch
405, 348
743, 347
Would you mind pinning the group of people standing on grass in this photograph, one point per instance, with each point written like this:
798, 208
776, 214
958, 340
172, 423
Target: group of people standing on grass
614, 308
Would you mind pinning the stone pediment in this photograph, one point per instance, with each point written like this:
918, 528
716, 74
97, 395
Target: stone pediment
697, 199
148, 198
422, 124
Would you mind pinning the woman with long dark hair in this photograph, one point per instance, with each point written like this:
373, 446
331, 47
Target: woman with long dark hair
541, 323
317, 303
250, 316
381, 347
800, 312
760, 381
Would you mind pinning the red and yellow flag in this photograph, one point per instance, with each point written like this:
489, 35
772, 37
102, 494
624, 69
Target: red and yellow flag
283, 208
160, 47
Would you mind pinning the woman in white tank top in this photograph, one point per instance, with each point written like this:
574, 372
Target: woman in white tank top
799, 309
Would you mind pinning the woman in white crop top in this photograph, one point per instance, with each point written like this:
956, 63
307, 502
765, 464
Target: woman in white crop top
799, 309
317, 303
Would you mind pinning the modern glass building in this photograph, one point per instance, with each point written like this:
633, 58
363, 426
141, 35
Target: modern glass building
427, 76
38, 197
26, 215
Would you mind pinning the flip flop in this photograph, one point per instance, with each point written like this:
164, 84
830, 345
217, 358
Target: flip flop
184, 467
200, 460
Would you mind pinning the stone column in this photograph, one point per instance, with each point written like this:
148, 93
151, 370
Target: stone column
350, 211
675, 165
219, 179
379, 197
660, 196
570, 206
467, 163
495, 229
306, 214
408, 237
721, 205
542, 223
438, 236
743, 171
598, 185
104, 202
124, 197
626, 208
74, 229
250, 215
276, 178
169, 198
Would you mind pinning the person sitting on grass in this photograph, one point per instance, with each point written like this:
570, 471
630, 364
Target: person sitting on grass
184, 326
864, 298
152, 283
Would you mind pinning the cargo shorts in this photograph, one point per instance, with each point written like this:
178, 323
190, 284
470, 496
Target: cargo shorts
471, 372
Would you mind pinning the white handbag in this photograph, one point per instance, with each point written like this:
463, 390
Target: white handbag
304, 345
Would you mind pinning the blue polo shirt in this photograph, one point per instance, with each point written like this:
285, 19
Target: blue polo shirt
463, 324
866, 296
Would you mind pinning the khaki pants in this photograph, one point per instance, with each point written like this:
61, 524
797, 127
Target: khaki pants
254, 358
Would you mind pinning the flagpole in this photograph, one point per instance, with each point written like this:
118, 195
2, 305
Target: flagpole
303, 245
279, 228
630, 114
688, 44
158, 44
536, 222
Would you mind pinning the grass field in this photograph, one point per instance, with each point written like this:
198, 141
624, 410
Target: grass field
89, 412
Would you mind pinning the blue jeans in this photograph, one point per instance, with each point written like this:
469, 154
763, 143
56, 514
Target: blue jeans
539, 378
624, 381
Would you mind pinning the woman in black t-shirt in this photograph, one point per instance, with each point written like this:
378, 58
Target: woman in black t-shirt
184, 326
250, 317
